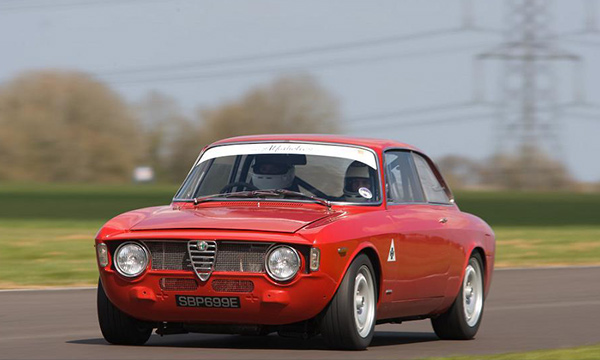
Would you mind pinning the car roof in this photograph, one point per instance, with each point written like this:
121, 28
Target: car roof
375, 144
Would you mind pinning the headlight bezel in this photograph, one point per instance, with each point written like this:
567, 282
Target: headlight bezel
116, 260
275, 277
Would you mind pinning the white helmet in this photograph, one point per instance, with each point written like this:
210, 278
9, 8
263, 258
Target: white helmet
272, 175
357, 183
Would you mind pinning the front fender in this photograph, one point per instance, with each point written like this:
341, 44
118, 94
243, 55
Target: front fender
335, 261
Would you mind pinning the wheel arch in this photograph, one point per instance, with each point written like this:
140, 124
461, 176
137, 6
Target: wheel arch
479, 250
374, 257
453, 290
371, 252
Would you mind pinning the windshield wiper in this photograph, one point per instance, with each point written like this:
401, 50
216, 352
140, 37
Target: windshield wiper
241, 194
285, 192
202, 199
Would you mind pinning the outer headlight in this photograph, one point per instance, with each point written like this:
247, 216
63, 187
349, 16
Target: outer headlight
283, 263
131, 259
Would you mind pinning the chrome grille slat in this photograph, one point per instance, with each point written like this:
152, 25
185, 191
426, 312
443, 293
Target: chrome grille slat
202, 268
223, 256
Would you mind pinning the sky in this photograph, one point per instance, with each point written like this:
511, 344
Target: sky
203, 53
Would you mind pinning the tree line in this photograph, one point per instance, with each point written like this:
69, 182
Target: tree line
60, 126
64, 126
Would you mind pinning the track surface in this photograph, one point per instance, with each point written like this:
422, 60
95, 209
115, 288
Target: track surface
526, 310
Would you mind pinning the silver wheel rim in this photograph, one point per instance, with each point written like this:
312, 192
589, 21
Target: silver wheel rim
472, 294
364, 301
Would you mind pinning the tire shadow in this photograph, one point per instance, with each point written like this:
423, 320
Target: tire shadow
272, 342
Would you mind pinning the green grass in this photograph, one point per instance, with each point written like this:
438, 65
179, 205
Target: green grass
520, 246
42, 253
502, 208
101, 202
578, 353
47, 231
78, 202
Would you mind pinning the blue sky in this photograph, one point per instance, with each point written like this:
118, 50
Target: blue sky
113, 36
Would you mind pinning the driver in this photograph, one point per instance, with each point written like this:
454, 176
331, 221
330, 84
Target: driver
270, 173
358, 185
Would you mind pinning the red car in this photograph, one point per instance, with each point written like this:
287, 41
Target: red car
300, 235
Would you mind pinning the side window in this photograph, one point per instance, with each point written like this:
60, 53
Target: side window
434, 192
402, 184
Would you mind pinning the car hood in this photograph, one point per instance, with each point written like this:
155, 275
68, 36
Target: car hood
288, 220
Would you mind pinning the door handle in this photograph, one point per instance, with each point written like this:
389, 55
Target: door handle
443, 220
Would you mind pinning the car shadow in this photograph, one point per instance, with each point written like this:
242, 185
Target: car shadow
217, 341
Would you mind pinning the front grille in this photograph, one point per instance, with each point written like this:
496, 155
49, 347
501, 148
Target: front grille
242, 257
169, 255
240, 286
226, 256
176, 284
202, 255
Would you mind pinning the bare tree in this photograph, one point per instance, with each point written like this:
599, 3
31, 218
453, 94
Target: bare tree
65, 126
294, 104
163, 126
515, 172
459, 171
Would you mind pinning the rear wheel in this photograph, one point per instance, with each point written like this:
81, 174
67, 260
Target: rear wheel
349, 320
117, 327
462, 320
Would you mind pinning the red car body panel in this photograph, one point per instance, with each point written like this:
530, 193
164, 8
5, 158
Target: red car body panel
233, 216
424, 279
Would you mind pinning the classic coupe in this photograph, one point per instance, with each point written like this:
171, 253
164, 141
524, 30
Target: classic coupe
301, 235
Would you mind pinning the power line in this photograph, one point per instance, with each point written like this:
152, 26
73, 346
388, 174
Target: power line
585, 116
335, 63
20, 5
582, 42
419, 123
409, 111
311, 50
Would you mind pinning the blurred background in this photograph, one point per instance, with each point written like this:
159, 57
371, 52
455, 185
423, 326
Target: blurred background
104, 105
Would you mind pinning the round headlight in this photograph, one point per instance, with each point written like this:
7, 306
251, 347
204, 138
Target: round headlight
131, 259
283, 263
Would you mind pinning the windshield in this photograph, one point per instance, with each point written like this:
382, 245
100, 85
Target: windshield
335, 173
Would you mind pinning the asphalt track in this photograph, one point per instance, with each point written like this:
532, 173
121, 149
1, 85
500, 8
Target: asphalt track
526, 310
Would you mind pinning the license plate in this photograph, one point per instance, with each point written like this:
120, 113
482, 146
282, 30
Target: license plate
227, 302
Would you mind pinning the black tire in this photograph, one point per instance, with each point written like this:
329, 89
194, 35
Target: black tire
117, 327
338, 325
453, 324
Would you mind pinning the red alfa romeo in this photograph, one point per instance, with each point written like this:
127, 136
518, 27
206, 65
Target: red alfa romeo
301, 235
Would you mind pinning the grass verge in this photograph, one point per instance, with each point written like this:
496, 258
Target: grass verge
61, 252
47, 230
47, 253
547, 246
578, 353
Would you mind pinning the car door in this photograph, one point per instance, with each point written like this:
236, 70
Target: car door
441, 219
420, 266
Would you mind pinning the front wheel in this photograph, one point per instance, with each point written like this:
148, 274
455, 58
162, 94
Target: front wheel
117, 327
349, 320
462, 320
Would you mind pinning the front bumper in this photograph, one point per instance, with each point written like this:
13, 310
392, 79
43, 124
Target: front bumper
269, 303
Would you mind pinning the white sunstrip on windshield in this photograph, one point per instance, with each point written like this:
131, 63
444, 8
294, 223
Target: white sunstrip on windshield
339, 151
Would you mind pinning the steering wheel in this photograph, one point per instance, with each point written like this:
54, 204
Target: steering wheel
244, 185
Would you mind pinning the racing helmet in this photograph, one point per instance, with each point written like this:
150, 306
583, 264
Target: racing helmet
270, 174
356, 181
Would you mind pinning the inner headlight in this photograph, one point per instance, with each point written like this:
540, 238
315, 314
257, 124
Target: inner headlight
283, 263
131, 259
